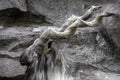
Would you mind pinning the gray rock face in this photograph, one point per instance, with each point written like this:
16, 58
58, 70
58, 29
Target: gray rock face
59, 10
11, 38
85, 52
10, 68
20, 4
88, 53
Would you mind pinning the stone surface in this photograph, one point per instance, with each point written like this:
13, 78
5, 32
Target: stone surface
10, 68
20, 4
16, 37
85, 53
90, 54
59, 10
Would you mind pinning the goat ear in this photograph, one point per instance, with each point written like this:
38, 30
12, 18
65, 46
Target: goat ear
49, 43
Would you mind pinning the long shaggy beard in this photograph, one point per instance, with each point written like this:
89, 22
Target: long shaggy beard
48, 67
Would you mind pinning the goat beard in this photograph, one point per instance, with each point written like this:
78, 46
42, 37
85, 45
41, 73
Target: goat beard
47, 67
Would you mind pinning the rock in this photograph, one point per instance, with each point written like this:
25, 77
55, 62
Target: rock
55, 11
5, 4
13, 16
20, 4
11, 55
13, 38
19, 77
88, 72
88, 53
10, 68
58, 11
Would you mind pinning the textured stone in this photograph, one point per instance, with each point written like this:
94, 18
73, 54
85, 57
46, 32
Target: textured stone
14, 38
10, 68
20, 4
87, 53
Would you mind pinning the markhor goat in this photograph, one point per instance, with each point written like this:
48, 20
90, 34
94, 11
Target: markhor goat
41, 58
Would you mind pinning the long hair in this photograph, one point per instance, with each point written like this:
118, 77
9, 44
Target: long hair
43, 63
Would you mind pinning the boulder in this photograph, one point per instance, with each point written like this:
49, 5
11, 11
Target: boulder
20, 4
89, 53
16, 38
